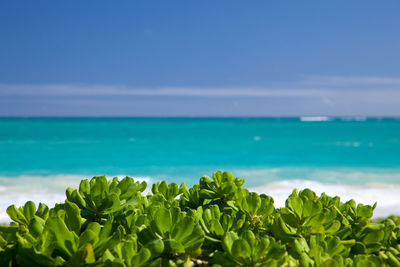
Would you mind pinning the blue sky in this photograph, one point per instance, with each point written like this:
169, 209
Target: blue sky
199, 58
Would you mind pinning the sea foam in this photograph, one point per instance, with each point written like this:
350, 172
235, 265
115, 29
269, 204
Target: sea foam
51, 189
45, 189
386, 195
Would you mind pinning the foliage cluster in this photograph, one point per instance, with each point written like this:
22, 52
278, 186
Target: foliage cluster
214, 223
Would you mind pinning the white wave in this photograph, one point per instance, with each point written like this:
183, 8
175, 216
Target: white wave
366, 186
386, 195
349, 175
314, 118
356, 118
46, 189
353, 144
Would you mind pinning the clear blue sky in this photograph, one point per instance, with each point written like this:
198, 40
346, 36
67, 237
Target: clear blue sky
199, 58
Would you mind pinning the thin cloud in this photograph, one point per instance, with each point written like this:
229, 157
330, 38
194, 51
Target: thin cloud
312, 86
351, 81
110, 90
315, 95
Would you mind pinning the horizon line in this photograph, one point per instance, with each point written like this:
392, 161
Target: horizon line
205, 117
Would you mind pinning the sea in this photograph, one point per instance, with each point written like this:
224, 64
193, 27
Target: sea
352, 157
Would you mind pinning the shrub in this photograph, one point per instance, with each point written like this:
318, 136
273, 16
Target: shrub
214, 223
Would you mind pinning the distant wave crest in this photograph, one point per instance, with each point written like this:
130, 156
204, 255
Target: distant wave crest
315, 118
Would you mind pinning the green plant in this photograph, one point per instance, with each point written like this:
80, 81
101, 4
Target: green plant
214, 223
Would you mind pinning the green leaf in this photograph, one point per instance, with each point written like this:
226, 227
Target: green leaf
311, 208
156, 247
141, 258
295, 203
36, 226
163, 220
207, 194
98, 189
253, 203
261, 248
183, 229
84, 188
29, 210
16, 215
241, 250
63, 239
374, 237
249, 237
84, 255
364, 211
88, 236
75, 197
73, 217
228, 241
228, 188
216, 228
42, 211
228, 177
175, 246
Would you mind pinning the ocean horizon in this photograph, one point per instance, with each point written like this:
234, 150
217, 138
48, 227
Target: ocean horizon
352, 157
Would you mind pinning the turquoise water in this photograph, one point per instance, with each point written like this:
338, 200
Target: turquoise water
45, 151
185, 147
